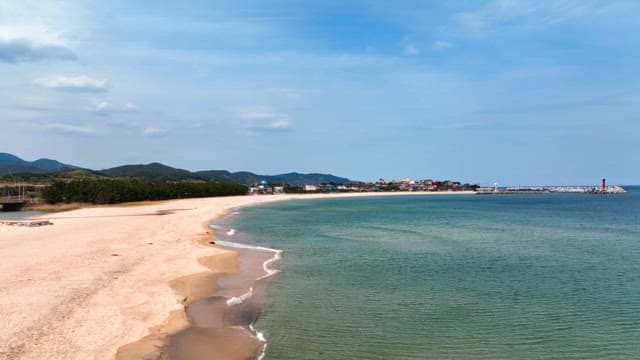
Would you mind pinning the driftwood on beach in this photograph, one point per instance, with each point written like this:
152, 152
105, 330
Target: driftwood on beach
27, 223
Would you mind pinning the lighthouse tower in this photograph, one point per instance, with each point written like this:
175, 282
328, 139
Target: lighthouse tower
604, 185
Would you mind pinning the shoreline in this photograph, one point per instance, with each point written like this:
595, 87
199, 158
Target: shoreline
116, 275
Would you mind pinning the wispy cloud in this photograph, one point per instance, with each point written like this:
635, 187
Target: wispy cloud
61, 128
130, 107
284, 92
154, 132
101, 108
21, 50
282, 124
264, 119
105, 108
256, 112
600, 101
411, 50
494, 11
441, 45
535, 14
70, 128
30, 43
80, 83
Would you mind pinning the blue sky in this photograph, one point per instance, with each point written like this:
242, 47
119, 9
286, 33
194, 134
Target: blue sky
513, 91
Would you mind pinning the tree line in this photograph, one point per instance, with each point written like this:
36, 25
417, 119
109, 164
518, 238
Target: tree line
118, 191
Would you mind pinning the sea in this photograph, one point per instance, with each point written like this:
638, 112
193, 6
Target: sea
19, 215
540, 276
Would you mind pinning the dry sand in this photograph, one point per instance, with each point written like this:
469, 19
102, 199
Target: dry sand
103, 278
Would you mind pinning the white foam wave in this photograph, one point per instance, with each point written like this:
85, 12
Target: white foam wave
277, 255
265, 265
231, 232
264, 352
261, 338
240, 299
246, 246
259, 334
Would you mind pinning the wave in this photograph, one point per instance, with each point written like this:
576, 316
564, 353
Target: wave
260, 337
236, 300
240, 299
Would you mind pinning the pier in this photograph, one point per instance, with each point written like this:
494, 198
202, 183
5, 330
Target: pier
605, 190
12, 203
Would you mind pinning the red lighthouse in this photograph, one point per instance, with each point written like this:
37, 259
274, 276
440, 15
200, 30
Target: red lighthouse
604, 184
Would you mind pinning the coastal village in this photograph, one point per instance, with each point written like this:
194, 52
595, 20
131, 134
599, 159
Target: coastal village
379, 186
430, 185
17, 196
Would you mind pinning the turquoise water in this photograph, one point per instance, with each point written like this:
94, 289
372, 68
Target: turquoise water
456, 277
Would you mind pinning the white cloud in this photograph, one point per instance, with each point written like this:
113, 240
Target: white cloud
411, 50
61, 128
441, 45
80, 83
101, 107
283, 123
33, 43
535, 14
36, 34
70, 128
154, 132
285, 92
104, 108
130, 107
264, 118
16, 51
256, 112
494, 11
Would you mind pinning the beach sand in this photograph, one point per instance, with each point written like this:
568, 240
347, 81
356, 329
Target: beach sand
113, 282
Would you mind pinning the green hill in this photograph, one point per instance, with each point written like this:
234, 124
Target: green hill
13, 168
10, 163
248, 178
151, 172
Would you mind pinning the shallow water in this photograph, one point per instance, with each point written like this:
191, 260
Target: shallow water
19, 215
220, 324
464, 277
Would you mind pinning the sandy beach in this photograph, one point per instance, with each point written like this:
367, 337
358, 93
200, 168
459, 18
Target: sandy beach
113, 282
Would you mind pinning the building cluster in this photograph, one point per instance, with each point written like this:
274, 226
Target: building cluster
420, 185
379, 186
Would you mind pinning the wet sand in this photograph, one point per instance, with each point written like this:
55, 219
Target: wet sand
107, 282
101, 278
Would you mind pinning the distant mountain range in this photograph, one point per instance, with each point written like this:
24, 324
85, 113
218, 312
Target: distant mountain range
294, 178
51, 169
153, 172
12, 164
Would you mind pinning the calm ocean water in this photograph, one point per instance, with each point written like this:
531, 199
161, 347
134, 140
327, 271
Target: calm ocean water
19, 215
456, 277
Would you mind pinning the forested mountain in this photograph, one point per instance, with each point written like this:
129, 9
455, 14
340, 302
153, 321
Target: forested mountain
45, 170
248, 178
151, 172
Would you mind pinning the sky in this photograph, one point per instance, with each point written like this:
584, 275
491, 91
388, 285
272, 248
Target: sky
509, 91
